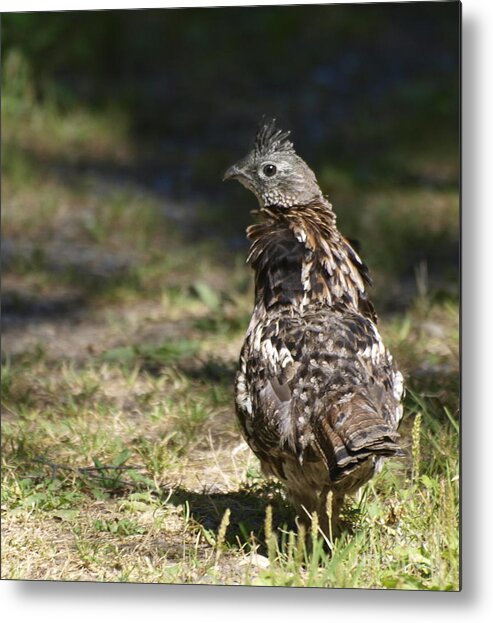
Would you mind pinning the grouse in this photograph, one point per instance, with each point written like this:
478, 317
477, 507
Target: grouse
317, 394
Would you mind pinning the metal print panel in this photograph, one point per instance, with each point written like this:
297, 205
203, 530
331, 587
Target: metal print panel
204, 383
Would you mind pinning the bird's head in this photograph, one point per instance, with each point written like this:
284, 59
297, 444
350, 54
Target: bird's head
274, 172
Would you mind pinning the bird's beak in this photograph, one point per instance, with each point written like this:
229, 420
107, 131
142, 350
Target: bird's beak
232, 173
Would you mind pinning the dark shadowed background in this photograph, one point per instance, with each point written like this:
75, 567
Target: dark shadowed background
370, 93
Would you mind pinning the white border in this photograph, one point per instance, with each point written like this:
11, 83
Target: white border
61, 5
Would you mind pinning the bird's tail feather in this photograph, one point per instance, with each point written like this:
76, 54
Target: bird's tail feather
350, 433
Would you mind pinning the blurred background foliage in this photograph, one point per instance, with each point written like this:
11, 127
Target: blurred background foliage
370, 93
117, 126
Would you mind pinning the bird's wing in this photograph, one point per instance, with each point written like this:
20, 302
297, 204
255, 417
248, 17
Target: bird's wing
358, 406
328, 385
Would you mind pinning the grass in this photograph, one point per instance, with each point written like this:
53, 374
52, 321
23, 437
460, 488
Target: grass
121, 457
183, 466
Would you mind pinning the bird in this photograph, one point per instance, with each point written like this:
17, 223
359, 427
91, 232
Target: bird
318, 396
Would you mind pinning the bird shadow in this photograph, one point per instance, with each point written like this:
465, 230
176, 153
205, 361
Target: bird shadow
247, 508
247, 526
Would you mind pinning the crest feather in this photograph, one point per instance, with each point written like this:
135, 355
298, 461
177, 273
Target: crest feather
270, 139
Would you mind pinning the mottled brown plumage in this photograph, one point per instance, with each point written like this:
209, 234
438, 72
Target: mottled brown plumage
317, 395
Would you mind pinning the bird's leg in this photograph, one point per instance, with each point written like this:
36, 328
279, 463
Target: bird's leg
327, 506
305, 503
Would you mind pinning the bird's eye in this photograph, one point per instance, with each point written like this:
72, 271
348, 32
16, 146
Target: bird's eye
269, 170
